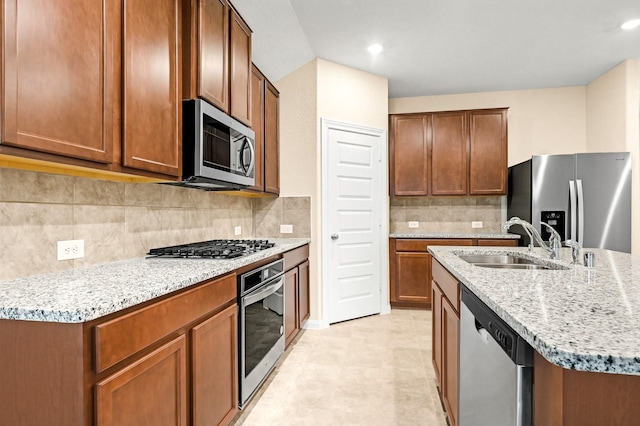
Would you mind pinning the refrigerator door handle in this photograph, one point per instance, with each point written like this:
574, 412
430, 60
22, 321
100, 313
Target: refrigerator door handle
572, 196
580, 212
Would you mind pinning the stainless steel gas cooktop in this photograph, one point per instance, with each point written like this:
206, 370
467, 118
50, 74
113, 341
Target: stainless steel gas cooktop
212, 249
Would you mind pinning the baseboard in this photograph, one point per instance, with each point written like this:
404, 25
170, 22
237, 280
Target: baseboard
313, 325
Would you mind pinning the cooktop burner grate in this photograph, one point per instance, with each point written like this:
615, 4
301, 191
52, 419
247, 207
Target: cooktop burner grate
212, 249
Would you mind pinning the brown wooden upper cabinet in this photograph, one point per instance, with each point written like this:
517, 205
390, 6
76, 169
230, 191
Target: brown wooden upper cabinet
56, 96
217, 61
264, 122
101, 91
448, 153
151, 113
488, 152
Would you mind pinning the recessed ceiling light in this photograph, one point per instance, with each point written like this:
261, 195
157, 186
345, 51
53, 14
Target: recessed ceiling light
374, 49
629, 25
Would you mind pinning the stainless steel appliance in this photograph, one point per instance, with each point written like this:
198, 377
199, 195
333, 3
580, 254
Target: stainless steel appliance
261, 316
585, 197
218, 152
496, 369
212, 249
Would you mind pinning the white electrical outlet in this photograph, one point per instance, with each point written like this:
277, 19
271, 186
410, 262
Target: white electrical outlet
286, 229
238, 230
476, 224
70, 249
414, 224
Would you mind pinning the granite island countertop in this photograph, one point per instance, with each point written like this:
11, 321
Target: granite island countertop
580, 318
480, 235
84, 294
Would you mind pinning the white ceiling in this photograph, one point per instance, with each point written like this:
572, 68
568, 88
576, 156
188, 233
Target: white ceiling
436, 47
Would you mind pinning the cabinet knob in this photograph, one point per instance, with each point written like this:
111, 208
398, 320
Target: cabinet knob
334, 236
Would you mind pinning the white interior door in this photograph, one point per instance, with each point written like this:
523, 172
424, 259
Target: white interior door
353, 211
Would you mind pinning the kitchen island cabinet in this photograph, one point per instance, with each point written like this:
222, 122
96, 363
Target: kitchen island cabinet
88, 96
410, 265
580, 321
444, 344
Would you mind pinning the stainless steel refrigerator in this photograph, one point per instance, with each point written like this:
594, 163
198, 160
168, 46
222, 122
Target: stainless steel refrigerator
585, 197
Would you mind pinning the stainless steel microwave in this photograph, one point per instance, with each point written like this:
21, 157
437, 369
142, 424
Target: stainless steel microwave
218, 152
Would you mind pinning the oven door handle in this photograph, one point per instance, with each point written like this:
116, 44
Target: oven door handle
264, 293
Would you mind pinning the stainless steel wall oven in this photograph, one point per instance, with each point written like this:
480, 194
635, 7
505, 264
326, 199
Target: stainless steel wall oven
261, 330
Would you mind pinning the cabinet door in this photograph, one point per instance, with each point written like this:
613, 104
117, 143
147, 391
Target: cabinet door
257, 124
271, 140
488, 152
151, 80
413, 276
213, 66
240, 68
449, 156
409, 154
303, 293
450, 324
436, 334
151, 391
58, 90
290, 301
214, 377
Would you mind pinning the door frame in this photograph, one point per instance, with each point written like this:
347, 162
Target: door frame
325, 238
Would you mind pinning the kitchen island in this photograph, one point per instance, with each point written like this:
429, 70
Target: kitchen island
583, 323
140, 341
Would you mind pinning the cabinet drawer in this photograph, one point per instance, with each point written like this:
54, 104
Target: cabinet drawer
295, 257
121, 337
422, 245
448, 284
502, 243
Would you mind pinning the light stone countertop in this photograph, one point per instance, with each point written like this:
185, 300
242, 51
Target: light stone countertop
84, 294
482, 235
581, 318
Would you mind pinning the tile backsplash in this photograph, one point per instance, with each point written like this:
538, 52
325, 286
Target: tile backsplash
120, 220
445, 214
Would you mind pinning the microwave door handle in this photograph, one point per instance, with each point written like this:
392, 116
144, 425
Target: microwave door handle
266, 292
247, 169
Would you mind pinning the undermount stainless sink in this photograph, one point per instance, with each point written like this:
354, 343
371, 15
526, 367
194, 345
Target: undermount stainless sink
507, 262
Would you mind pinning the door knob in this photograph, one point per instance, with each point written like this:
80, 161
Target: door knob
334, 236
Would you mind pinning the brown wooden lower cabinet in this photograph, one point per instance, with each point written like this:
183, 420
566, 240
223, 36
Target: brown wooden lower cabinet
436, 333
169, 361
410, 267
152, 390
214, 361
450, 326
296, 291
445, 317
290, 305
564, 397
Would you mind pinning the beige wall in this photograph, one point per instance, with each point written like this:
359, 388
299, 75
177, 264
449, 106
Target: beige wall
613, 124
321, 89
544, 121
120, 220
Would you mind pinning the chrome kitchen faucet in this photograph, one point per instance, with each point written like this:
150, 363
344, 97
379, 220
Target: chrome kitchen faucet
554, 241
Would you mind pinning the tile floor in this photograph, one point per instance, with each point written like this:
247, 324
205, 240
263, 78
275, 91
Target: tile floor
369, 371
